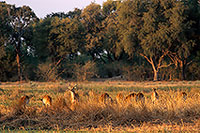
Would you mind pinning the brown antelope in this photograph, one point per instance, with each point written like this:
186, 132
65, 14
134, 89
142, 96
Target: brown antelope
119, 98
47, 100
105, 98
24, 100
130, 97
140, 97
184, 95
154, 95
74, 95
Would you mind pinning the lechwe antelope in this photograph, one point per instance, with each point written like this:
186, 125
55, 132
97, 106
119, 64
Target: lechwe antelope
74, 95
47, 100
23, 101
154, 96
184, 95
119, 98
130, 97
140, 97
105, 98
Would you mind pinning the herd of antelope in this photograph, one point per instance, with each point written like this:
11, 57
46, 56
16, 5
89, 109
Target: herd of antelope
103, 98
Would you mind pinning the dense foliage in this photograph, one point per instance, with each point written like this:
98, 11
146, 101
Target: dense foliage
129, 39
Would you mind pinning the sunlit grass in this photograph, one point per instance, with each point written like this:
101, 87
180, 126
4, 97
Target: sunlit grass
169, 113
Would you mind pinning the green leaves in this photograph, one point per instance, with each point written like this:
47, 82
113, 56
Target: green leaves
66, 35
162, 32
153, 28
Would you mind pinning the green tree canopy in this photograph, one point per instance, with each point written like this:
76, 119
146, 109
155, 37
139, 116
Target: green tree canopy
92, 18
15, 26
66, 36
150, 28
110, 29
186, 43
40, 39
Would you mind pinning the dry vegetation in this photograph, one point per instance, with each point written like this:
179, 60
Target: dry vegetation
170, 113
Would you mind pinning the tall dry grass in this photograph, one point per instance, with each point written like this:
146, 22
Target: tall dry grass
169, 113
91, 114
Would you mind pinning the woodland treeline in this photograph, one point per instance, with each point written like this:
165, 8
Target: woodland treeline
129, 39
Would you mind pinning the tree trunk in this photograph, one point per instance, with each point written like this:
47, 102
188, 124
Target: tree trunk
155, 78
19, 67
182, 65
170, 76
156, 66
18, 52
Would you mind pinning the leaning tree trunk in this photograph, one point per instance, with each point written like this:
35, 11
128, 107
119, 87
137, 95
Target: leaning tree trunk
155, 71
18, 61
155, 67
155, 78
18, 67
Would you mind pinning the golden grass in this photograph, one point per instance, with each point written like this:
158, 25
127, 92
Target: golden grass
170, 113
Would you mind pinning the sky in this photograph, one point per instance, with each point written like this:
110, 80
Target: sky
44, 7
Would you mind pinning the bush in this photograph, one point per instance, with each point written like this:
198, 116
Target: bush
169, 73
136, 72
47, 72
111, 69
193, 72
85, 72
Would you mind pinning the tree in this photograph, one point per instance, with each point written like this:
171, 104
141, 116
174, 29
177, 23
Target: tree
4, 28
150, 28
66, 36
4, 22
110, 29
185, 45
71, 14
92, 18
59, 35
40, 39
6, 62
57, 39
21, 18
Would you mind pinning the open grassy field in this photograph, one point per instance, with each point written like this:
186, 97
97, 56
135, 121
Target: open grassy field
169, 113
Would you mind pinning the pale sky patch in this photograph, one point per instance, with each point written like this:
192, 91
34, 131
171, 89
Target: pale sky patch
44, 7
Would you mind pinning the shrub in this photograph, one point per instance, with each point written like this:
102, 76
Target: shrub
85, 72
110, 70
193, 71
47, 72
169, 73
136, 72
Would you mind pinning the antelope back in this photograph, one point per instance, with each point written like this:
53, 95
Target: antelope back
105, 98
47, 100
140, 97
130, 97
24, 100
184, 95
